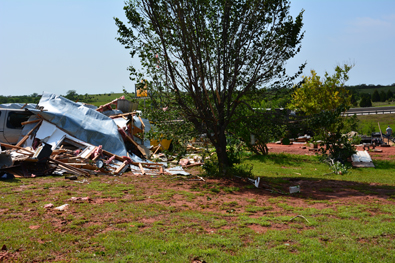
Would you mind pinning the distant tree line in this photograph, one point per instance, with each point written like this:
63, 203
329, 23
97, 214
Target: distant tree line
369, 86
74, 96
365, 99
33, 98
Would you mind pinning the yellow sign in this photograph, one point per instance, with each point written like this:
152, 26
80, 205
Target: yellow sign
141, 91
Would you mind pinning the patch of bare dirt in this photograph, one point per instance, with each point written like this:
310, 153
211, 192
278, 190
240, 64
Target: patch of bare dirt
380, 153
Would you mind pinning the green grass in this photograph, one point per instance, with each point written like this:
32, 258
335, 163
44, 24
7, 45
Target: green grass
144, 219
101, 99
383, 104
369, 123
270, 168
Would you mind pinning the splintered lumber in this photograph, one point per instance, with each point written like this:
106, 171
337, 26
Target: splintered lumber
142, 123
139, 164
83, 166
16, 147
24, 105
121, 167
142, 127
28, 134
142, 169
380, 131
69, 167
29, 122
122, 115
90, 153
134, 143
117, 157
157, 148
150, 164
57, 152
192, 165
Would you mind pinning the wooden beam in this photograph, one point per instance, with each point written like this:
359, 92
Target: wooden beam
29, 122
380, 132
6, 145
157, 148
69, 167
134, 143
122, 115
120, 167
28, 134
83, 166
142, 169
24, 105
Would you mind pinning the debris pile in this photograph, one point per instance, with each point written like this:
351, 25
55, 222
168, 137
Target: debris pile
63, 137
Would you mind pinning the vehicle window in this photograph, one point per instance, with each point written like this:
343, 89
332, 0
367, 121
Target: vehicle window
15, 118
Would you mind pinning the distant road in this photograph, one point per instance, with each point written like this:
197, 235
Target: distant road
370, 110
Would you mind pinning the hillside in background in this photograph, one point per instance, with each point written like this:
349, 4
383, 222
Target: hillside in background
363, 88
94, 99
100, 99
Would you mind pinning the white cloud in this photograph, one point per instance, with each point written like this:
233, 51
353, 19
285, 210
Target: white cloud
370, 29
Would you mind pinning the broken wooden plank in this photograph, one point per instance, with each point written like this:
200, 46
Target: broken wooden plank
6, 145
69, 167
157, 148
90, 153
83, 166
381, 134
28, 134
120, 168
24, 105
122, 115
133, 142
192, 165
142, 169
30, 122
151, 164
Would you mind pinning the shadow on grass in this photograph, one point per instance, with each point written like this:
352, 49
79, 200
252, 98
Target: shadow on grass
362, 182
14, 180
384, 164
315, 188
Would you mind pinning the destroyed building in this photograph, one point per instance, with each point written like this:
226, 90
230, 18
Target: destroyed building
61, 136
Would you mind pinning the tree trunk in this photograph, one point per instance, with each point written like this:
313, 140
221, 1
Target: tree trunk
220, 148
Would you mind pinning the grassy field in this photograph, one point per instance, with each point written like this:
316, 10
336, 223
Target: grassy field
100, 99
348, 218
369, 123
383, 104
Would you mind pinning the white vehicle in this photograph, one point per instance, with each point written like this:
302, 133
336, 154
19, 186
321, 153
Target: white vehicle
10, 124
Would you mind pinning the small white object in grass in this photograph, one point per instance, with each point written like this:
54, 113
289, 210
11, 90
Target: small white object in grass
50, 205
294, 189
62, 207
257, 182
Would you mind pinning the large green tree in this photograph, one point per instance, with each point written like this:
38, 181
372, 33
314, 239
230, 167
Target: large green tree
318, 94
211, 54
375, 96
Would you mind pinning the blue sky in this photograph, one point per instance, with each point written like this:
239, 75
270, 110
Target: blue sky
59, 45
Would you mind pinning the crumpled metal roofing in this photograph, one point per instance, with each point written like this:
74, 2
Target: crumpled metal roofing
17, 105
82, 122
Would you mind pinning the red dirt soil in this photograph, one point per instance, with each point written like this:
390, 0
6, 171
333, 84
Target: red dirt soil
387, 153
